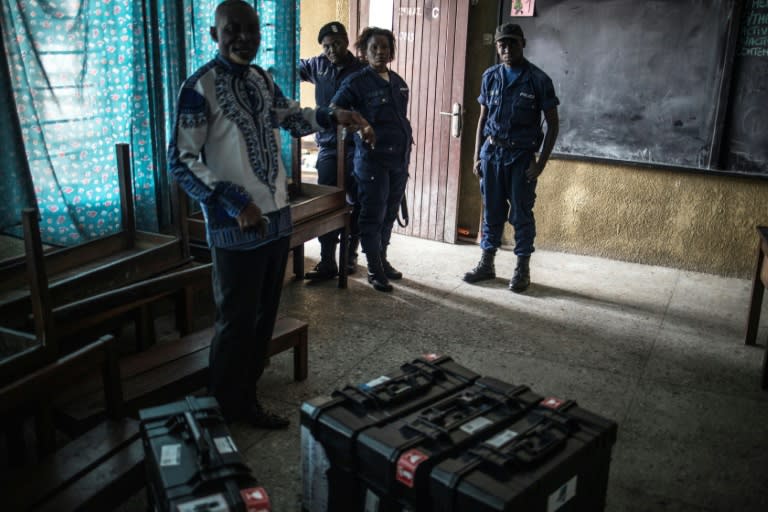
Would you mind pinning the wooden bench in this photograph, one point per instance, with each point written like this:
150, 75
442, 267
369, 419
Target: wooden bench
759, 282
168, 372
96, 471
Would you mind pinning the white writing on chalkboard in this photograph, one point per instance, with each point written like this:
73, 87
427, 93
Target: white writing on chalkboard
754, 30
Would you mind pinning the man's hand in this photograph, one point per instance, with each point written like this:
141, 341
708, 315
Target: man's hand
356, 122
477, 170
534, 170
251, 218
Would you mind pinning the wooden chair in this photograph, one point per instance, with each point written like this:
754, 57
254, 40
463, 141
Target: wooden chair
96, 266
759, 281
168, 372
92, 472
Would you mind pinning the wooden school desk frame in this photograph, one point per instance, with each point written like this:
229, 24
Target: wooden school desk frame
47, 279
759, 281
315, 210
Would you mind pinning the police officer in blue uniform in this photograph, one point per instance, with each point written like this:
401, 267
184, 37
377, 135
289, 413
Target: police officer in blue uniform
512, 97
327, 71
381, 96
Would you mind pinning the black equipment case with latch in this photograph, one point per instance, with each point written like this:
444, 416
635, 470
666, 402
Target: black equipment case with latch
555, 459
330, 425
192, 463
396, 458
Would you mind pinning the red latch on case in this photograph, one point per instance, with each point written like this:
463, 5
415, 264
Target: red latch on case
407, 464
552, 403
255, 499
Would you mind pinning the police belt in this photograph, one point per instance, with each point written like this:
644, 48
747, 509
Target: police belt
504, 143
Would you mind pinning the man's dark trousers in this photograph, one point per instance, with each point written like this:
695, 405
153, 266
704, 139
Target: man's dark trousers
246, 288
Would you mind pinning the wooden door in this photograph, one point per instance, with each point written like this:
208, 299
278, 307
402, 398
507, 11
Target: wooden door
431, 46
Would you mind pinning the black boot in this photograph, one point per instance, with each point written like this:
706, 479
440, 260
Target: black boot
389, 270
354, 242
522, 278
327, 268
484, 270
376, 275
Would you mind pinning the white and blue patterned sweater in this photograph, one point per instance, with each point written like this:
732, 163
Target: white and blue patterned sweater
225, 150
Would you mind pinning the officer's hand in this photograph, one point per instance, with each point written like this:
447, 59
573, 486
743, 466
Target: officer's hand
533, 171
251, 218
477, 170
356, 122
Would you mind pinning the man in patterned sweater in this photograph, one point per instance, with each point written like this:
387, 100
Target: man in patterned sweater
224, 152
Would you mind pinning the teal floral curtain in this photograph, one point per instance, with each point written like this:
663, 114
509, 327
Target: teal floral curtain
87, 74
16, 192
80, 87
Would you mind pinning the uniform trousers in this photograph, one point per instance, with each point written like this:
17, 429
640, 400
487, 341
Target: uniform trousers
380, 189
508, 196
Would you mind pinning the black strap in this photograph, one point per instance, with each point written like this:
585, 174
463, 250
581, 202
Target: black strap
403, 213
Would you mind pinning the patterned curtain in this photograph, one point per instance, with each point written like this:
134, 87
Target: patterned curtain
80, 87
87, 74
16, 192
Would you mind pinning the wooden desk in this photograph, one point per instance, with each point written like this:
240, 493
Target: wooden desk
315, 210
759, 281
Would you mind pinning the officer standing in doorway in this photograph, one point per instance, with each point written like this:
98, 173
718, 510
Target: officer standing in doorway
327, 71
512, 97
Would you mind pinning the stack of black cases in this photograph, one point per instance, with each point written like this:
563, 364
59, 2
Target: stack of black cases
478, 445
330, 425
192, 462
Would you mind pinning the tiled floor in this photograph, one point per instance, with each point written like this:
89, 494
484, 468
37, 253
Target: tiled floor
658, 350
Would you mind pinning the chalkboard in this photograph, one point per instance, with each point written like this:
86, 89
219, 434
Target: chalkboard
746, 143
638, 80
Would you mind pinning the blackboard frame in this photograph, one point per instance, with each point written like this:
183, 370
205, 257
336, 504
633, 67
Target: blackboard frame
715, 160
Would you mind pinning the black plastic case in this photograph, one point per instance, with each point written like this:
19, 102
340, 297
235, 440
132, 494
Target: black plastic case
555, 459
396, 458
331, 425
192, 462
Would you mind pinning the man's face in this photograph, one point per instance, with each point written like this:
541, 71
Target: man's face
237, 33
378, 52
334, 47
510, 50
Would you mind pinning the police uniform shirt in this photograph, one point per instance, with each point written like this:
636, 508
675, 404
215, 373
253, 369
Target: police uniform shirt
327, 78
514, 109
385, 105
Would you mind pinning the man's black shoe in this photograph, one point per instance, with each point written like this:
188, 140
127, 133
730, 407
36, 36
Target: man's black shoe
484, 270
379, 282
258, 417
323, 271
390, 271
522, 278
351, 264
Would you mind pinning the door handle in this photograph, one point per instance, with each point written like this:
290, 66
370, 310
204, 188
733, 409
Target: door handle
456, 119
